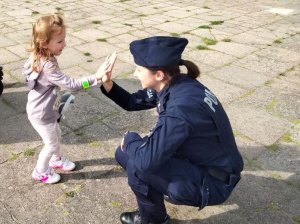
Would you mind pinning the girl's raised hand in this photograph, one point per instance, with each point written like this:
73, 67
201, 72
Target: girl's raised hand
104, 71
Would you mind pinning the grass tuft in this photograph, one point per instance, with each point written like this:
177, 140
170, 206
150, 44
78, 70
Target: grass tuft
101, 40
226, 40
218, 22
96, 22
202, 47
287, 138
174, 34
29, 152
209, 41
278, 41
204, 27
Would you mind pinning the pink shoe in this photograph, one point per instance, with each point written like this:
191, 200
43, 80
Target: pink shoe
64, 164
49, 177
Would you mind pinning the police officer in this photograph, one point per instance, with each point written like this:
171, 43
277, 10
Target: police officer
190, 157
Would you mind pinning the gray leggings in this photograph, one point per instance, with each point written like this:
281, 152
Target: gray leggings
51, 135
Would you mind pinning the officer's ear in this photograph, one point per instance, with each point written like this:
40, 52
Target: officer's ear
160, 75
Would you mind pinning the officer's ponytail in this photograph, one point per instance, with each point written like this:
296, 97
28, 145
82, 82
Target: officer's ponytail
192, 69
174, 71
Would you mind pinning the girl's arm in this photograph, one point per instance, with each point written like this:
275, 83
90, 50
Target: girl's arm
56, 77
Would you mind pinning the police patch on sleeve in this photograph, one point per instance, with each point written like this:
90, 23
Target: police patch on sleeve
211, 100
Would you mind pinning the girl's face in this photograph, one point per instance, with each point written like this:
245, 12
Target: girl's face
57, 43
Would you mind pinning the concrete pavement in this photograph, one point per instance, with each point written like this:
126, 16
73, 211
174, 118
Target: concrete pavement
249, 55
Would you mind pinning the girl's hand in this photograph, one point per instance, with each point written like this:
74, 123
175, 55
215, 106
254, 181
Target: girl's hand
104, 71
107, 77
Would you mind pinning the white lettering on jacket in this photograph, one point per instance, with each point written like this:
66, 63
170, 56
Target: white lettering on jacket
210, 100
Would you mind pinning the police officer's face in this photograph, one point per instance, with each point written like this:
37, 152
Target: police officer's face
146, 77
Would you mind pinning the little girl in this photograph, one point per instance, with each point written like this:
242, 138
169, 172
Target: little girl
45, 79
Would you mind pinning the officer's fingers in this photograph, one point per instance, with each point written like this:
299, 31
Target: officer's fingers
112, 59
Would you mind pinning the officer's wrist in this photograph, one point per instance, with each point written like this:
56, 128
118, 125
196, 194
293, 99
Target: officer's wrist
107, 85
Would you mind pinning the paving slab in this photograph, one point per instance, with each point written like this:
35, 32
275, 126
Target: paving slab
239, 76
257, 124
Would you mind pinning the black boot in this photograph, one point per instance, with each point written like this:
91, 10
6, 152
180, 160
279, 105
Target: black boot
135, 218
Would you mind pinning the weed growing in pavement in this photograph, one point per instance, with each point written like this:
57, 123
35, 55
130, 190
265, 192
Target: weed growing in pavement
276, 176
204, 27
14, 156
271, 105
287, 138
274, 147
209, 41
202, 47
128, 24
96, 22
278, 41
226, 40
29, 152
174, 34
101, 40
218, 22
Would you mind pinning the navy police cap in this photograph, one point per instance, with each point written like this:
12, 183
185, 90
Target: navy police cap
158, 51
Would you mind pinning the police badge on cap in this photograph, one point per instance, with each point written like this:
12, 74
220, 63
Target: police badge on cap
158, 51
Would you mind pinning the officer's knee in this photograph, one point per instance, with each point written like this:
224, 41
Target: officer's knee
121, 157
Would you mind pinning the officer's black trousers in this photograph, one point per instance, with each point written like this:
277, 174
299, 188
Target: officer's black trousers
183, 182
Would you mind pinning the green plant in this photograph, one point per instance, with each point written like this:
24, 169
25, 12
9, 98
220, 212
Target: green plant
274, 147
174, 34
204, 27
201, 47
218, 22
209, 41
14, 156
29, 152
101, 40
278, 41
96, 22
226, 40
271, 105
287, 138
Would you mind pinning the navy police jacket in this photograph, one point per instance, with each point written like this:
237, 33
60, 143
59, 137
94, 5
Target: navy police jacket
192, 125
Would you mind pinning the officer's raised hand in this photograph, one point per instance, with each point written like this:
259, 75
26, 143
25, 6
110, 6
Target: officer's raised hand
105, 68
106, 78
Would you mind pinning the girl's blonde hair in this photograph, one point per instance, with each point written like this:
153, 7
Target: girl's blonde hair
42, 32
